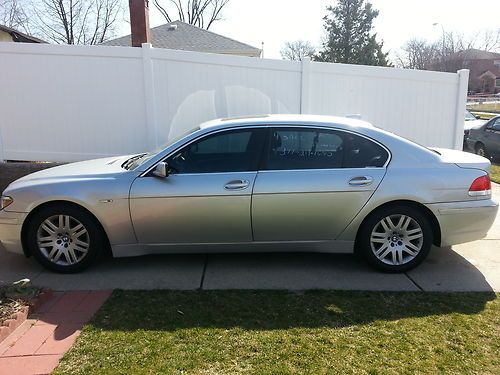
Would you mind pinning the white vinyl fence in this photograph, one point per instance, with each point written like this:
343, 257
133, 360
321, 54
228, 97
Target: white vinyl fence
68, 103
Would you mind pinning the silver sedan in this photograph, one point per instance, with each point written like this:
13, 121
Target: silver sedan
268, 183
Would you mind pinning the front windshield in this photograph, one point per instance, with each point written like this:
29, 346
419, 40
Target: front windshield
469, 116
140, 159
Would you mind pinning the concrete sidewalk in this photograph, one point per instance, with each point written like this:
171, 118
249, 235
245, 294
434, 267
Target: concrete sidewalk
469, 267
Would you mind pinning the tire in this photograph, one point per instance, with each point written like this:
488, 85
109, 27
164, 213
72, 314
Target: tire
59, 249
481, 150
403, 248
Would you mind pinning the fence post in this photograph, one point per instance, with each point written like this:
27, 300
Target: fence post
462, 88
305, 86
149, 96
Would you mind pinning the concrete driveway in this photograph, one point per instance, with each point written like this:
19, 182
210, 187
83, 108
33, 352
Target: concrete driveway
468, 267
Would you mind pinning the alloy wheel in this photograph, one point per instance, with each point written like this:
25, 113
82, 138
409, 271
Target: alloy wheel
396, 239
63, 240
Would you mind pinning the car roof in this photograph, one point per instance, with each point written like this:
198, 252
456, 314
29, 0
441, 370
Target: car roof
333, 121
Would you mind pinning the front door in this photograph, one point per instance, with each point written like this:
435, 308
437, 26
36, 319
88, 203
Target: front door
313, 183
492, 137
207, 196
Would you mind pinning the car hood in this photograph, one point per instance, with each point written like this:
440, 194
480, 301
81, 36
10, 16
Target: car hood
468, 125
85, 169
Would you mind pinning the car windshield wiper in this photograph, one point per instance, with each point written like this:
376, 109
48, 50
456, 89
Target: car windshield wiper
128, 163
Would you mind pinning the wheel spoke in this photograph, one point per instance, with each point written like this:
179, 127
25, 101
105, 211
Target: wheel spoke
66, 222
413, 231
45, 243
76, 229
385, 225
399, 252
53, 252
49, 227
80, 233
71, 256
61, 221
411, 246
401, 221
381, 250
394, 257
57, 256
407, 249
81, 249
415, 237
406, 223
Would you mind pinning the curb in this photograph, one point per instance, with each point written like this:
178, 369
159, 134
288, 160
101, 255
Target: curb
18, 318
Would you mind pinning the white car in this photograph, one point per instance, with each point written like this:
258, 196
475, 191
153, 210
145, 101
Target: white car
470, 122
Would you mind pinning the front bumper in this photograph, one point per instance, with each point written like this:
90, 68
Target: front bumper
464, 221
10, 230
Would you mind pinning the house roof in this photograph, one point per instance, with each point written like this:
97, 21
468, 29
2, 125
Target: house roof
181, 35
474, 54
20, 37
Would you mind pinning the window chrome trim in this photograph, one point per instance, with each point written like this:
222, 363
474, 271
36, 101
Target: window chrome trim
268, 126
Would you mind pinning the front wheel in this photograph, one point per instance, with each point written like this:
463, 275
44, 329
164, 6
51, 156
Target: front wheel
395, 239
64, 238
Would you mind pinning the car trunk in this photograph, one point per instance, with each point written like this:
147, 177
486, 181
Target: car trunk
463, 159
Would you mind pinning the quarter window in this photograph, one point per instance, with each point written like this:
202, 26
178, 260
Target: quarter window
229, 151
363, 153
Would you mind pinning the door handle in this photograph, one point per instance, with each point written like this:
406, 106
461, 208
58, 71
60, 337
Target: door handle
360, 181
236, 185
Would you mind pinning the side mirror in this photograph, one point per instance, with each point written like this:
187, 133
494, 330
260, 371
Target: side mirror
478, 117
161, 170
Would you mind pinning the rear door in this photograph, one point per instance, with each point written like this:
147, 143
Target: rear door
313, 182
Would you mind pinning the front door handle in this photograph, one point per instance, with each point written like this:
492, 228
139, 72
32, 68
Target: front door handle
236, 185
360, 181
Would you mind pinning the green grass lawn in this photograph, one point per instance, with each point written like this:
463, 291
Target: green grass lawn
228, 332
495, 173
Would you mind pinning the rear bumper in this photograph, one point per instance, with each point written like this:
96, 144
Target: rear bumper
10, 231
464, 221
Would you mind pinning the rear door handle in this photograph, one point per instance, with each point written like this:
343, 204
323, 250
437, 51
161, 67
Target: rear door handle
236, 185
361, 181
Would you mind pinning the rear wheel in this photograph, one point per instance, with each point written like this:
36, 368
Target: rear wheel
395, 238
64, 238
481, 150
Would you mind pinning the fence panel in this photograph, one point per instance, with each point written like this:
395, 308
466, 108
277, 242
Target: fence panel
67, 103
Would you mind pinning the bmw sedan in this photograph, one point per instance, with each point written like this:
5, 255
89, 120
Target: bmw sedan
268, 183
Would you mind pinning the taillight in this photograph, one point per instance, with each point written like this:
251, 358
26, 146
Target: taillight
480, 186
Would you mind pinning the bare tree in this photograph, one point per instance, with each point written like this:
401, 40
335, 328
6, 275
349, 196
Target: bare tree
12, 15
417, 54
201, 13
75, 21
490, 40
297, 50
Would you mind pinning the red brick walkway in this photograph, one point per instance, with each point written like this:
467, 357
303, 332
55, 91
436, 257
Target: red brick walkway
38, 344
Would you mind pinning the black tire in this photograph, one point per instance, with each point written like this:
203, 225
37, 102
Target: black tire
96, 238
364, 246
480, 150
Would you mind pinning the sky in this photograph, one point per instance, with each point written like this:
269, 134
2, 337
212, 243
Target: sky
276, 21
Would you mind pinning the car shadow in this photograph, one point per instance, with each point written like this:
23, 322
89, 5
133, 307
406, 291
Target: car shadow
274, 310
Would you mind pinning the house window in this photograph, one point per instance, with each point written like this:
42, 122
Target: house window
496, 62
497, 82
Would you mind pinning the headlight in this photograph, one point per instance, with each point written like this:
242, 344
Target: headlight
5, 202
